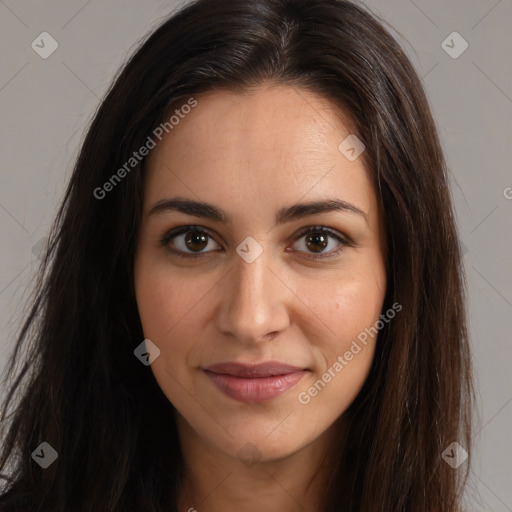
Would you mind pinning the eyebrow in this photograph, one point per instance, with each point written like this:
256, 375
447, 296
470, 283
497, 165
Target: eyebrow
283, 215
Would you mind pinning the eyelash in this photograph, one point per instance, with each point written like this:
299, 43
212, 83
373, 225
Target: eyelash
322, 230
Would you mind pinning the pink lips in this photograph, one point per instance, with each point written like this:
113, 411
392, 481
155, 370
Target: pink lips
254, 383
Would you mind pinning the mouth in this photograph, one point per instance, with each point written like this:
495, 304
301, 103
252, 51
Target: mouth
251, 383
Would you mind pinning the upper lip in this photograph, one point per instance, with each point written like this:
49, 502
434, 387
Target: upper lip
265, 369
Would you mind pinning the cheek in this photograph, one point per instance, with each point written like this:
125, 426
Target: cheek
166, 305
164, 299
170, 310
345, 339
342, 307
355, 308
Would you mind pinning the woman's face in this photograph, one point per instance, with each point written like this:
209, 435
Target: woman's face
264, 285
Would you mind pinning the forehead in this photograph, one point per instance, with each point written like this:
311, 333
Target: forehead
276, 143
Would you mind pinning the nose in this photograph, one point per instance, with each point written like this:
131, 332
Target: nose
254, 302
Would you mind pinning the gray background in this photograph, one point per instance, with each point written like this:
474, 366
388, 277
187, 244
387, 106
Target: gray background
46, 105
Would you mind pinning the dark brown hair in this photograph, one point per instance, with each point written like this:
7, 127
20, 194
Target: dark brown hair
82, 390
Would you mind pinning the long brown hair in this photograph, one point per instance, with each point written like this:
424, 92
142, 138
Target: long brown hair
82, 390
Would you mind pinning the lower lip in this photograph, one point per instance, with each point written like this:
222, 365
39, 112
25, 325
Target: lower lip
257, 389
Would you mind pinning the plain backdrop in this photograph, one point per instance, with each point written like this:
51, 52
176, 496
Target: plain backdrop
46, 105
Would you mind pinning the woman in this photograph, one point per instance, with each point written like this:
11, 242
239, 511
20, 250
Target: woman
304, 346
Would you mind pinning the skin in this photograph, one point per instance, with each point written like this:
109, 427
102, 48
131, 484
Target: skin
251, 154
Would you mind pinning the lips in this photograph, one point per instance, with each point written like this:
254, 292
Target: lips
266, 369
251, 383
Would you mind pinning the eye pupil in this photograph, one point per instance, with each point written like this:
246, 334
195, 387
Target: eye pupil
312, 240
195, 237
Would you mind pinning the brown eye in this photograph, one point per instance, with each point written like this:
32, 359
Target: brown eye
192, 245
317, 239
